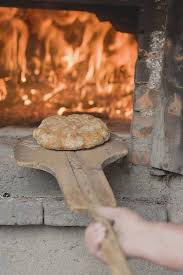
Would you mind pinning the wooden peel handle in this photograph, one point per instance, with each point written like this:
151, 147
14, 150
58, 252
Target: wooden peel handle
111, 249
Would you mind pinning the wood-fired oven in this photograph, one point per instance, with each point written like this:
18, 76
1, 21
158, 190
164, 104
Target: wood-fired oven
67, 58
80, 56
119, 60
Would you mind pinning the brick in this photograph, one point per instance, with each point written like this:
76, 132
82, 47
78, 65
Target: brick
155, 65
20, 212
57, 213
159, 16
140, 121
141, 157
144, 43
6, 150
155, 59
175, 212
140, 89
141, 139
135, 183
175, 204
142, 72
149, 211
175, 184
146, 101
143, 102
15, 131
143, 132
158, 172
24, 182
142, 127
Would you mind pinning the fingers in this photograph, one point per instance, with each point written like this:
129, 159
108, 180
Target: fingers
94, 235
127, 224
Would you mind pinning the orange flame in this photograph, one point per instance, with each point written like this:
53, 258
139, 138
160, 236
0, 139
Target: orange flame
65, 61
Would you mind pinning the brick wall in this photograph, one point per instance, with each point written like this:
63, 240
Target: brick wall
148, 79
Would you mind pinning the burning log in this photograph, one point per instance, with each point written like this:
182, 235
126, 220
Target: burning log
3, 90
13, 40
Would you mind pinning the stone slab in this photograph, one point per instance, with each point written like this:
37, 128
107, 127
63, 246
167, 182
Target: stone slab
175, 212
20, 212
136, 183
23, 182
56, 213
15, 131
59, 251
175, 204
149, 211
46, 250
142, 72
158, 172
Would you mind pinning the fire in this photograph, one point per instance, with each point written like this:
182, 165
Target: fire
63, 62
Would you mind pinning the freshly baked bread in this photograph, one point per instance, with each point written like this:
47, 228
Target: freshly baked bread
72, 132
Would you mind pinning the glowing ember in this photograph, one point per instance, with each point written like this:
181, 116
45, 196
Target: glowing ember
61, 111
64, 62
3, 90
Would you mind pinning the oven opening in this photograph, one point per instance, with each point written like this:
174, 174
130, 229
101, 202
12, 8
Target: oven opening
64, 62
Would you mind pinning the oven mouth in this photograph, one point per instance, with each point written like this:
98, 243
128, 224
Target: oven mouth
42, 82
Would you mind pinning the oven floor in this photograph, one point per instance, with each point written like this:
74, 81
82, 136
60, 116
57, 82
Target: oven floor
30, 197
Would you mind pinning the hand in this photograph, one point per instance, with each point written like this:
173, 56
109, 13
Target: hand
161, 243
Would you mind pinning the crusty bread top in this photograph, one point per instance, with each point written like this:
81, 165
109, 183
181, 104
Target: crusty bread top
74, 132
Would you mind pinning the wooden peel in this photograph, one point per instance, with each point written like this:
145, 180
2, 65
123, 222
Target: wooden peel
80, 176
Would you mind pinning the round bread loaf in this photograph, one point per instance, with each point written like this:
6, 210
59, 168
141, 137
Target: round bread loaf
72, 132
